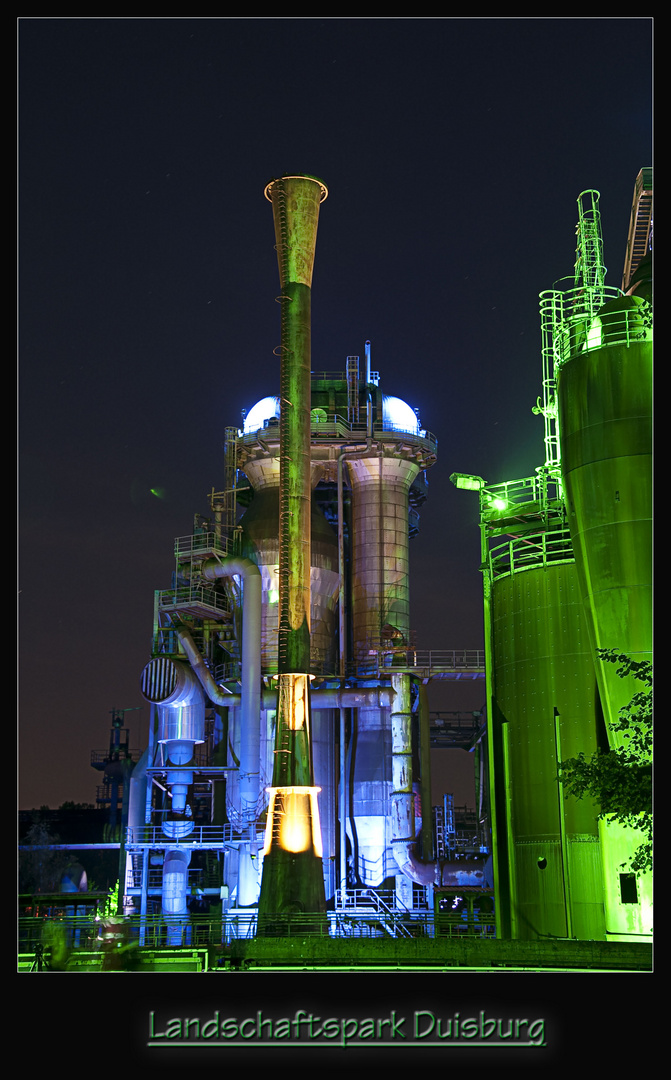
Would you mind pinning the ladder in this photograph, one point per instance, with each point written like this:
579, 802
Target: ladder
639, 240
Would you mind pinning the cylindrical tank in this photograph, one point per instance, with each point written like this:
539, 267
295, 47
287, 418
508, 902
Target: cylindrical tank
260, 534
380, 591
544, 707
379, 609
604, 392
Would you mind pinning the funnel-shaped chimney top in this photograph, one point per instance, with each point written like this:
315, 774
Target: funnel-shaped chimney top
296, 202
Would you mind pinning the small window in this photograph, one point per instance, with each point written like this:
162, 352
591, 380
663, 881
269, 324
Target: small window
628, 893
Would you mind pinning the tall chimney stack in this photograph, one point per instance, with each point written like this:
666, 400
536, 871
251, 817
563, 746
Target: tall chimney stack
292, 879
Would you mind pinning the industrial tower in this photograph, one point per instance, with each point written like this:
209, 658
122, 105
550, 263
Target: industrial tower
566, 558
286, 774
283, 770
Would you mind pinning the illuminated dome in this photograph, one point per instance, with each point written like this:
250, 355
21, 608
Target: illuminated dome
397, 415
265, 409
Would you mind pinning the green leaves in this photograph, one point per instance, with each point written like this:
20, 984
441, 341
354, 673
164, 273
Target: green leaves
621, 780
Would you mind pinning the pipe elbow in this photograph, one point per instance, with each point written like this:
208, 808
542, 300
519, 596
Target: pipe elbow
234, 565
409, 863
448, 874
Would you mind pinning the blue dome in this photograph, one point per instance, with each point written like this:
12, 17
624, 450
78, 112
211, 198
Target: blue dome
397, 415
265, 409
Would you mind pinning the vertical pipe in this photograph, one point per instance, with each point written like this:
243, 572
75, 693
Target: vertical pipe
499, 832
295, 201
143, 899
292, 870
425, 773
342, 814
342, 623
342, 670
505, 780
402, 800
251, 672
562, 831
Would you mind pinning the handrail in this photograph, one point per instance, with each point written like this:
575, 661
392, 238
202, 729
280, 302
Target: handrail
379, 661
119, 753
82, 933
530, 552
574, 321
339, 427
200, 836
201, 543
189, 594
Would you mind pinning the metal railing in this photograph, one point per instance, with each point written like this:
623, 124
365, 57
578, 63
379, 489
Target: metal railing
120, 753
368, 898
530, 552
542, 490
205, 836
573, 321
200, 544
82, 933
338, 427
169, 599
383, 661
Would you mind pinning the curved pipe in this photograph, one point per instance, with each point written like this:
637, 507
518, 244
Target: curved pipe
173, 687
217, 694
404, 844
251, 672
137, 798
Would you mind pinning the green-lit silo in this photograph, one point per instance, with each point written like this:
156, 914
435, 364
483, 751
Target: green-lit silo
603, 364
599, 342
543, 706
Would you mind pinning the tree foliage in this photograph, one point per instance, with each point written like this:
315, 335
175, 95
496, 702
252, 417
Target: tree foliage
621, 780
40, 867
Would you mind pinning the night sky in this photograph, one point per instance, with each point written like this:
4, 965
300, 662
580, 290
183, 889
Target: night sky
454, 151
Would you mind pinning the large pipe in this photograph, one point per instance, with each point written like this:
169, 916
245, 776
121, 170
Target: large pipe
425, 771
250, 700
251, 672
295, 201
173, 893
172, 686
404, 844
327, 697
377, 697
292, 872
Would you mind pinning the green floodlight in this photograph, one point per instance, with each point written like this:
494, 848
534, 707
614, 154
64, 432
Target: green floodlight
498, 504
466, 482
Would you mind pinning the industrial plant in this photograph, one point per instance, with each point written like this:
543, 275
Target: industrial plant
281, 811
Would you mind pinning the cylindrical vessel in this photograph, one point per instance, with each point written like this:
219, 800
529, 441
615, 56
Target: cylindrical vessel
380, 609
181, 719
604, 392
380, 594
544, 707
260, 532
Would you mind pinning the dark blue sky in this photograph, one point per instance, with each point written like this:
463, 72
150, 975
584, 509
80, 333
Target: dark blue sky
454, 151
